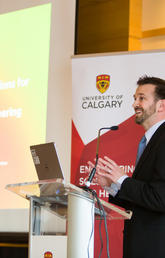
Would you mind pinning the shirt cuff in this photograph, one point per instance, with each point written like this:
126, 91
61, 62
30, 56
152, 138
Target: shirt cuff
121, 179
115, 187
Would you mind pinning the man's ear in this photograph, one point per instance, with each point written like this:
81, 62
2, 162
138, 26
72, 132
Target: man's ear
161, 105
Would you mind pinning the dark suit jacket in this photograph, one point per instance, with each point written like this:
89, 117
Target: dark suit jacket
144, 194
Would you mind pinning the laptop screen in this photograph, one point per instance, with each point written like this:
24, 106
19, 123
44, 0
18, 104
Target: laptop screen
46, 161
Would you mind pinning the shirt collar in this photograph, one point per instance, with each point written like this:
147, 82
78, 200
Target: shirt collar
152, 130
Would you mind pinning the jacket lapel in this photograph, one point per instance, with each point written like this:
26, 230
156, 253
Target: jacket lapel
148, 149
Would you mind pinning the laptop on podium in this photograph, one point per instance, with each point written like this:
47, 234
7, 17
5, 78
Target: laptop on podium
46, 161
47, 166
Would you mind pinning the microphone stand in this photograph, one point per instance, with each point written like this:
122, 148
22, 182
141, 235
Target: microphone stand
93, 171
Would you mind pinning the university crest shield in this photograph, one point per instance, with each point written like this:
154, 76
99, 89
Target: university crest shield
48, 255
102, 82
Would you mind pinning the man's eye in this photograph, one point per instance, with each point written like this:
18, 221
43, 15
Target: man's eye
141, 98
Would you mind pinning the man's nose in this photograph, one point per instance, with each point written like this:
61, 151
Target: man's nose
135, 103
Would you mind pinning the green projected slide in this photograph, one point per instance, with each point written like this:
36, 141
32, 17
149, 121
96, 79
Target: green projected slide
24, 63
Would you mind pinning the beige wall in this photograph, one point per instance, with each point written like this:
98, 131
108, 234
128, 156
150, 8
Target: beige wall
59, 111
153, 21
153, 14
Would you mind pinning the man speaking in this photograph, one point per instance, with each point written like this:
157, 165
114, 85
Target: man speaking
144, 193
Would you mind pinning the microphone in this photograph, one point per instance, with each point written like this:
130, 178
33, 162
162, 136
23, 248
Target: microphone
93, 171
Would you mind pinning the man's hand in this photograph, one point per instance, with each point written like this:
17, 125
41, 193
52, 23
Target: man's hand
99, 179
107, 172
108, 169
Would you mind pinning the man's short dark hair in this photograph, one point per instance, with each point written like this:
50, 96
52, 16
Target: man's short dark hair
158, 82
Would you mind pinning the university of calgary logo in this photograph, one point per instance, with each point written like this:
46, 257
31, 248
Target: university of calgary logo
48, 255
102, 82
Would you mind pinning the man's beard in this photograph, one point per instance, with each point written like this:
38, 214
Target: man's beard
145, 114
